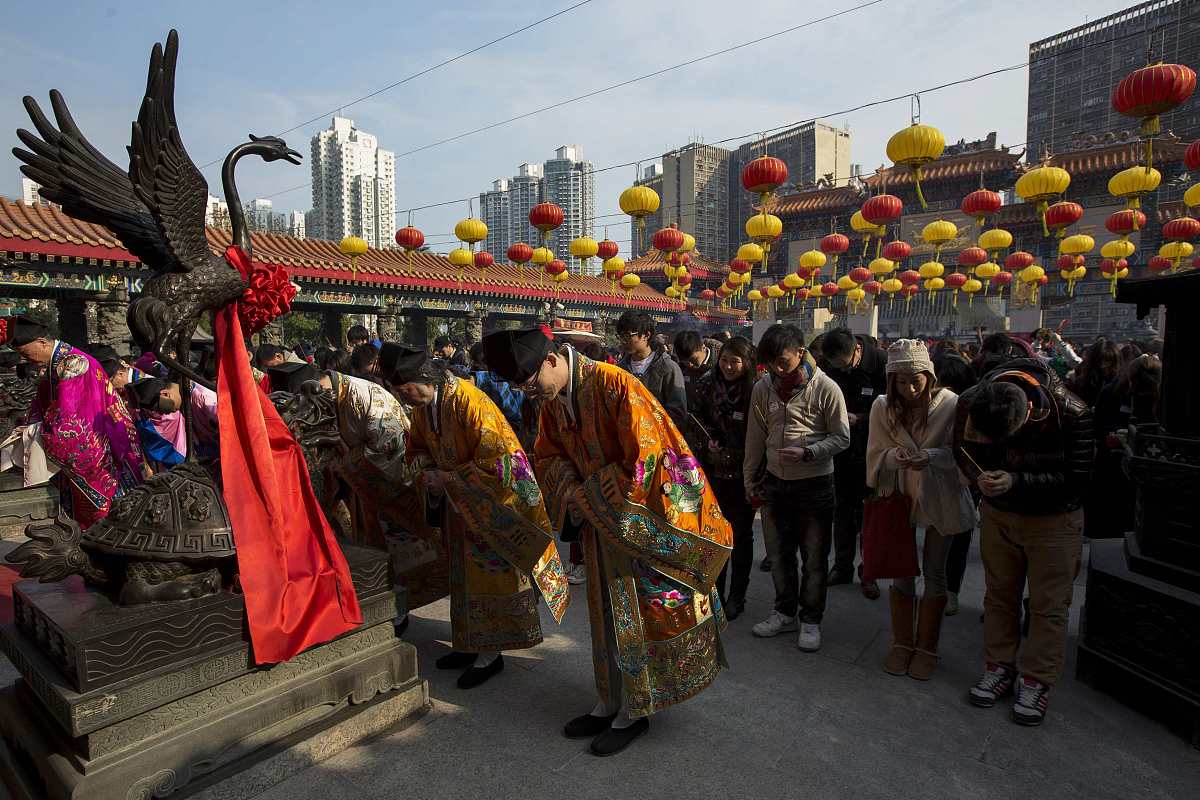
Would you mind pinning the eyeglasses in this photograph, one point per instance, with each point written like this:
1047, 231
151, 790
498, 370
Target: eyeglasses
531, 382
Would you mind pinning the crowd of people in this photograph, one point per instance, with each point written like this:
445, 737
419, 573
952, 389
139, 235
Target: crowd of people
650, 464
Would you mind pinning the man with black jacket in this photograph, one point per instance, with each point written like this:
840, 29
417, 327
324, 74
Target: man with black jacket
657, 371
1028, 444
858, 366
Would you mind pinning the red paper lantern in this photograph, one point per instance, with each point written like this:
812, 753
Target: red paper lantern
872, 287
707, 295
955, 280
1063, 214
829, 289
783, 287
1156, 264
483, 260
545, 217
556, 267
739, 266
860, 274
1002, 278
835, 244
910, 291
723, 292
764, 174
519, 253
410, 238
1182, 229
897, 250
910, 277
981, 203
607, 249
1069, 262
1153, 90
803, 273
882, 209
1042, 281
1018, 261
1109, 266
667, 240
972, 257
802, 294
1123, 223
1191, 157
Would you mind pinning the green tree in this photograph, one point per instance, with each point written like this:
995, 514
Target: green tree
298, 326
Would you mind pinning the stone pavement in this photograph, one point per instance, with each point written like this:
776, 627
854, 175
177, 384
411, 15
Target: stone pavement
778, 724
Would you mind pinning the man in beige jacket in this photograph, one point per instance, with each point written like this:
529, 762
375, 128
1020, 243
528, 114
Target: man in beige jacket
797, 424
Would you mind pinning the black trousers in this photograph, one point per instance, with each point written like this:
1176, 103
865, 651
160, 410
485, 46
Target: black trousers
956, 561
803, 513
734, 579
850, 477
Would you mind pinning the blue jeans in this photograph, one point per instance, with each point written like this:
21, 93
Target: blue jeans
802, 511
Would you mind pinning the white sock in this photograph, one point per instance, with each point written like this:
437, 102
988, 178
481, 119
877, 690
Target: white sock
601, 709
484, 659
623, 720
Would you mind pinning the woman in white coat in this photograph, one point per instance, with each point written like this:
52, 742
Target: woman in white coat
909, 449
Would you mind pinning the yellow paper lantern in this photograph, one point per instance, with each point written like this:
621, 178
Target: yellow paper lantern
353, 247
774, 292
1134, 183
995, 240
1032, 274
845, 283
793, 281
1117, 249
971, 287
561, 277
914, 147
1076, 245
881, 266
1176, 251
584, 248
763, 228
542, 256
736, 279
750, 253
892, 285
934, 284
614, 264
812, 259
754, 295
938, 233
931, 269
859, 224
461, 258
1192, 196
471, 230
1040, 185
855, 297
639, 202
689, 244
987, 270
671, 292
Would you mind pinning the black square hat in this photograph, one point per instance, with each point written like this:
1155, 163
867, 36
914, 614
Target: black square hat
291, 375
21, 330
516, 356
389, 353
406, 364
143, 393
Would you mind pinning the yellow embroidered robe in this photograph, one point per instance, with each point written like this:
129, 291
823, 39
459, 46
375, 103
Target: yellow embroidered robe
654, 538
497, 535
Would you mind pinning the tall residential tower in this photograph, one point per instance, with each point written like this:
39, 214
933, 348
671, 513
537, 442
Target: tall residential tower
353, 186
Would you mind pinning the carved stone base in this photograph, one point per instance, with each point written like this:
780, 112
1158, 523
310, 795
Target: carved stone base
20, 506
1140, 640
186, 746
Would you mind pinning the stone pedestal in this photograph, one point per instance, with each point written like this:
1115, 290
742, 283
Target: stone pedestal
111, 327
20, 506
165, 700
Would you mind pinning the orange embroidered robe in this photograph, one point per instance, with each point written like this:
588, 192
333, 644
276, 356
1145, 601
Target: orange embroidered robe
497, 536
654, 538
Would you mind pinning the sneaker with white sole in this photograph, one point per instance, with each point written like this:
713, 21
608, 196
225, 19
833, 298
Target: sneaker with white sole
577, 574
997, 682
774, 625
810, 637
1033, 697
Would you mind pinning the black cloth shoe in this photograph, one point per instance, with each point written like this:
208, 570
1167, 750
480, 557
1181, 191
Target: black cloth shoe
587, 726
614, 740
840, 575
735, 609
765, 565
456, 660
477, 676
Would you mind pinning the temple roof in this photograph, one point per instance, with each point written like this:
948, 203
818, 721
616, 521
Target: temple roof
947, 168
701, 267
816, 201
46, 229
1112, 158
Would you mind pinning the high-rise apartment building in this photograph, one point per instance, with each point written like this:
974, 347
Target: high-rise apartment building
296, 224
353, 186
525, 190
569, 183
495, 209
695, 195
31, 191
216, 213
1072, 74
813, 152
260, 216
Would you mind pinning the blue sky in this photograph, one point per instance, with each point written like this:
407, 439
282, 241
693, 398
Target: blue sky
262, 68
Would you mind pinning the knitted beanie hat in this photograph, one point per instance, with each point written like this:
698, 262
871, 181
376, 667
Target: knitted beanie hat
909, 355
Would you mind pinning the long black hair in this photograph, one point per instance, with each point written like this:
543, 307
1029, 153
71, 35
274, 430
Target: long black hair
743, 348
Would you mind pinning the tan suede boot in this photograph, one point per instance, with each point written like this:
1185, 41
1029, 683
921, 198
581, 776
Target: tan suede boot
901, 653
930, 613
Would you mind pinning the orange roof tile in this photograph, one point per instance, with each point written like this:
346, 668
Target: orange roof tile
1116, 157
46, 229
700, 266
964, 165
816, 201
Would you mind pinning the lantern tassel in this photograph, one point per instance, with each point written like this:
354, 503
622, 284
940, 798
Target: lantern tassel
917, 181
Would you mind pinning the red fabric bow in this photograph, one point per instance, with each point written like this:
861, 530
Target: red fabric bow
3, 331
269, 295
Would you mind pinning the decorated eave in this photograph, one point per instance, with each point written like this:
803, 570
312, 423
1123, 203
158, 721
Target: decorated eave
44, 230
1110, 159
948, 168
700, 267
816, 201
